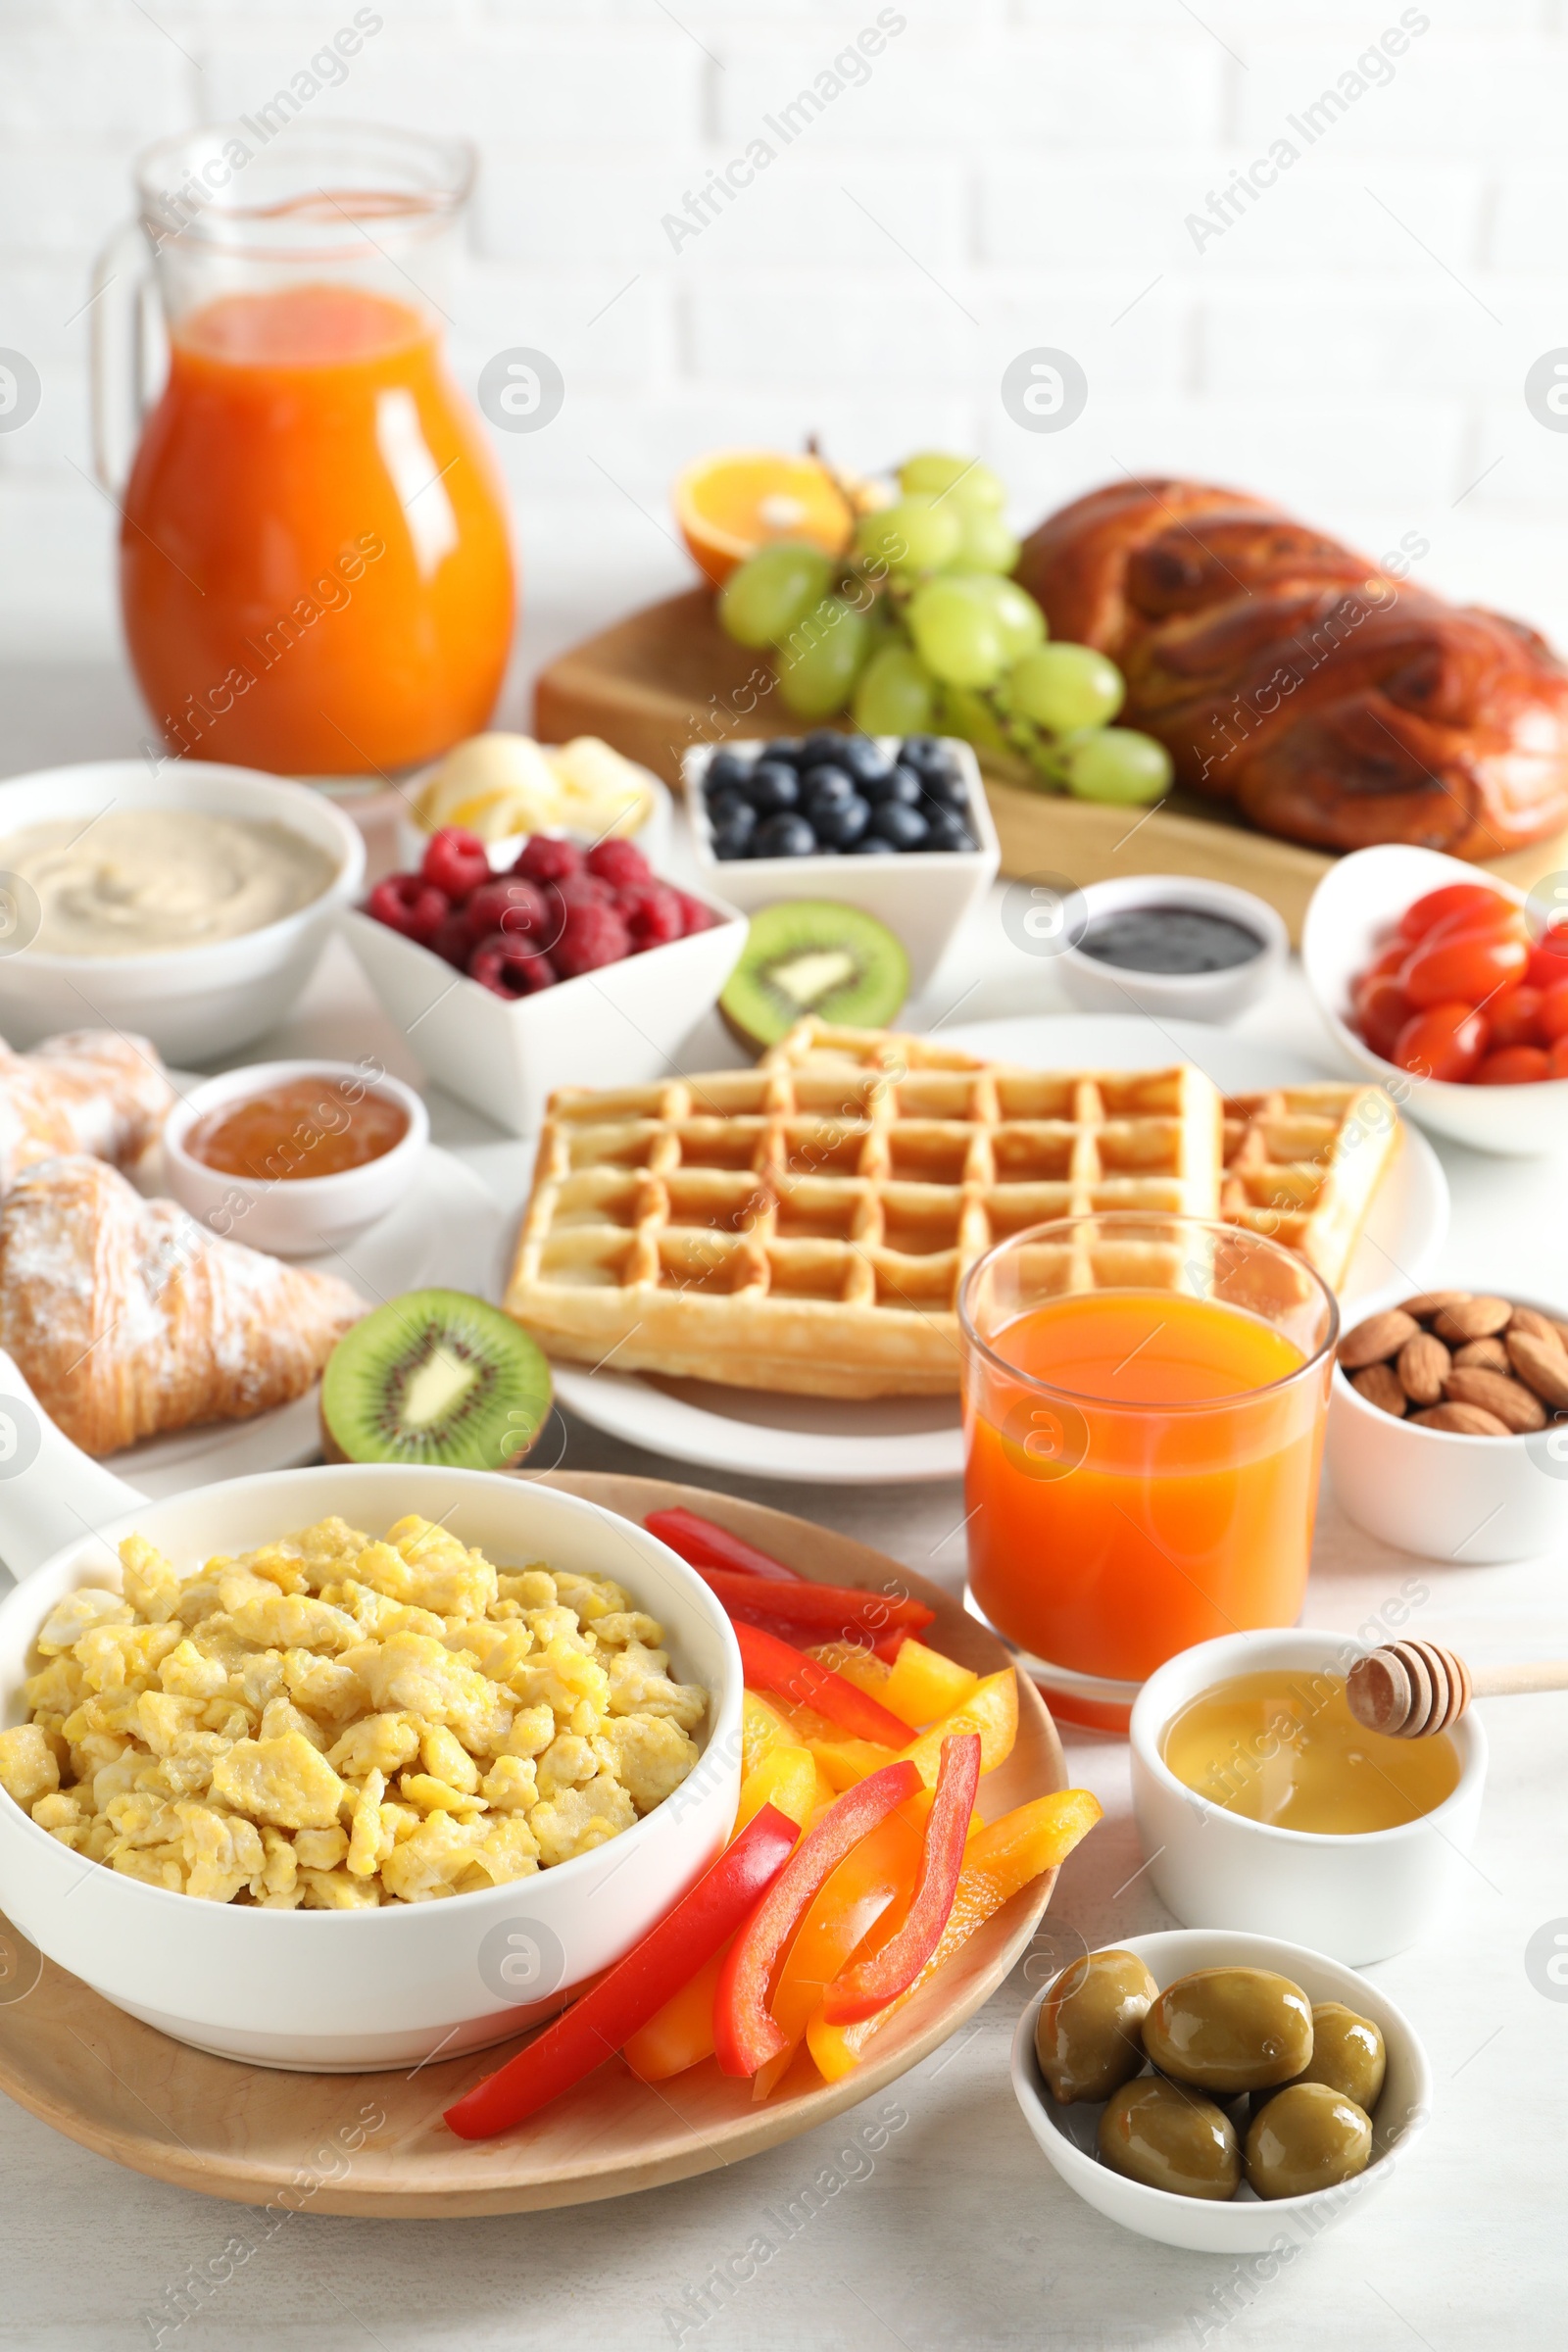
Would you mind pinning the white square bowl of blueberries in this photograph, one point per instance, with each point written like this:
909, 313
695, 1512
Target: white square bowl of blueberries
895, 825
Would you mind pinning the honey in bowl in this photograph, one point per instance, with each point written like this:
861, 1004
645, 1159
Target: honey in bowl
1283, 1747
304, 1127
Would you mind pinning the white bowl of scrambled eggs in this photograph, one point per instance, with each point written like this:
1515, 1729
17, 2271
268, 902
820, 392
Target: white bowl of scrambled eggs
327, 1804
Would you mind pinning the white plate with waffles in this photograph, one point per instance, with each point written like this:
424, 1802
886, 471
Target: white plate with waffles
845, 1441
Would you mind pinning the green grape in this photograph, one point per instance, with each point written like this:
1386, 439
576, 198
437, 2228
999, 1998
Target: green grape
1115, 763
962, 481
895, 695
765, 597
956, 634
916, 535
964, 713
985, 543
1064, 687
819, 663
1016, 614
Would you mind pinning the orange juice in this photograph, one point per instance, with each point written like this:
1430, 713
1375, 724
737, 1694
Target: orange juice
314, 567
1156, 1490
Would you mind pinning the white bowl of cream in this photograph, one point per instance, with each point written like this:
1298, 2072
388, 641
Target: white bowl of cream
190, 906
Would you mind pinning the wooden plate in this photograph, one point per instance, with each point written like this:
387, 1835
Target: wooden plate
668, 678
313, 2142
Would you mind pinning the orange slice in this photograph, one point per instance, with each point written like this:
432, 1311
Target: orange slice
731, 504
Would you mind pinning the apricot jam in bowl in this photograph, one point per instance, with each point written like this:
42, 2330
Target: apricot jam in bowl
295, 1156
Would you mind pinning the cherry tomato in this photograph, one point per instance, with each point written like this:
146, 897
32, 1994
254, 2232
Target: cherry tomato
1506, 921
1513, 1018
1515, 1065
1382, 1009
1445, 1042
1558, 1058
1476, 898
1553, 1019
1472, 964
1388, 962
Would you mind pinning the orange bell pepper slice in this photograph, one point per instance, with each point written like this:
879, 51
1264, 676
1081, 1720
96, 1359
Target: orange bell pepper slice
777, 1665
997, 1862
991, 1710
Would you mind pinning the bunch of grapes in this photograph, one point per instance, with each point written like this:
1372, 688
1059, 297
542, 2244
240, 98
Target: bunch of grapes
921, 629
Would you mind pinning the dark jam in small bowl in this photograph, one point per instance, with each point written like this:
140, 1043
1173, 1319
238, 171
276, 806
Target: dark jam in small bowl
1177, 940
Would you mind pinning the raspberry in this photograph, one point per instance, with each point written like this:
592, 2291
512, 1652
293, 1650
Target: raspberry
593, 936
547, 858
506, 969
585, 889
653, 915
454, 860
449, 939
698, 918
620, 863
511, 906
407, 903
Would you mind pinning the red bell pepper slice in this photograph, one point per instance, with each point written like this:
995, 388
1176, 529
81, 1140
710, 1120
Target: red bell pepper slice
607, 2017
704, 1544
775, 1665
825, 1609
865, 1986
885, 1645
745, 2035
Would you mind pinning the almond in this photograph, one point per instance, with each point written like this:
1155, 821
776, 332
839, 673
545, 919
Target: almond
1538, 1326
1376, 1338
1540, 1364
1461, 1421
1486, 1355
1427, 1303
1423, 1365
1509, 1401
1380, 1385
1472, 1319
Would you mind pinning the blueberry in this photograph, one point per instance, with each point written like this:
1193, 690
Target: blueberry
948, 792
901, 787
840, 824
725, 772
772, 786
731, 840
823, 742
872, 845
905, 827
727, 813
864, 759
926, 752
945, 830
785, 749
827, 784
787, 835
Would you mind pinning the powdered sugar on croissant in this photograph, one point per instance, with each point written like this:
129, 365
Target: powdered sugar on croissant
129, 1319
91, 1090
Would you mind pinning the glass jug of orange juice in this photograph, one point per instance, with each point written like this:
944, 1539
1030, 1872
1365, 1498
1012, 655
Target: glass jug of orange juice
316, 573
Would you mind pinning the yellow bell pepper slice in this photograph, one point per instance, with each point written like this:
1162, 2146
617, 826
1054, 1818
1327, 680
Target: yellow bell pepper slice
681, 2034
997, 1862
762, 1727
859, 1666
785, 1777
991, 1710
922, 1684
844, 1761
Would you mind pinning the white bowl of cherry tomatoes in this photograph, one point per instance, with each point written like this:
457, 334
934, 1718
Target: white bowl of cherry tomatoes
1450, 987
577, 967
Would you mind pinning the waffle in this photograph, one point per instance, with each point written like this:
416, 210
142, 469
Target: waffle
1301, 1164
805, 1225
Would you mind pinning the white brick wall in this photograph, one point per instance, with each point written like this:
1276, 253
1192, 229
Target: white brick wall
1007, 172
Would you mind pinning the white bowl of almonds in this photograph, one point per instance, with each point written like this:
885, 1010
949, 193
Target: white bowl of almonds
1449, 1426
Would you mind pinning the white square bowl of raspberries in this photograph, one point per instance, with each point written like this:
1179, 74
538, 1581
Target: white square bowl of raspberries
579, 967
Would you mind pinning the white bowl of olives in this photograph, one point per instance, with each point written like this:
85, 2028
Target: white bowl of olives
1200, 2088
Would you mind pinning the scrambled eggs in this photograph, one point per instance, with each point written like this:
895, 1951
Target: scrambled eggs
336, 1723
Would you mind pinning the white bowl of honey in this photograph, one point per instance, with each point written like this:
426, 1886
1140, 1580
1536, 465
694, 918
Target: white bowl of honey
294, 1156
1264, 1806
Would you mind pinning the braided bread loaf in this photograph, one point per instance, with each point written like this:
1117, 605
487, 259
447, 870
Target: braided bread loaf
1328, 701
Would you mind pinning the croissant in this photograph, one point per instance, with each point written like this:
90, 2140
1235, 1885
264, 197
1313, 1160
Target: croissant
1327, 700
129, 1319
89, 1090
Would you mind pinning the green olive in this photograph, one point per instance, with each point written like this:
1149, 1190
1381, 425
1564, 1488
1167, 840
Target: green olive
1347, 2054
1086, 2035
1308, 2136
1227, 2030
1171, 2137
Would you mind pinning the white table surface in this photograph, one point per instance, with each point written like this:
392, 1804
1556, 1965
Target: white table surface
956, 2234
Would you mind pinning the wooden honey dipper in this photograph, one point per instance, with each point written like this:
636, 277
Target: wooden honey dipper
1411, 1690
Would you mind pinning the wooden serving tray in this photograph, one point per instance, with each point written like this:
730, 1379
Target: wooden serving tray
668, 678
312, 2143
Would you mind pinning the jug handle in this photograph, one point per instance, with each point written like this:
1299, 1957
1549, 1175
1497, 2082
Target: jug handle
123, 328
50, 1491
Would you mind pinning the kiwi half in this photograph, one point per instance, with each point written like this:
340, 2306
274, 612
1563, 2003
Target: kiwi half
434, 1376
808, 956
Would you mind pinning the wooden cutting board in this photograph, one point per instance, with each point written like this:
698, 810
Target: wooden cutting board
668, 678
375, 2144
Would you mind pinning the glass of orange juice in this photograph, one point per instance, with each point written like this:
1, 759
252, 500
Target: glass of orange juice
314, 562
1144, 1404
